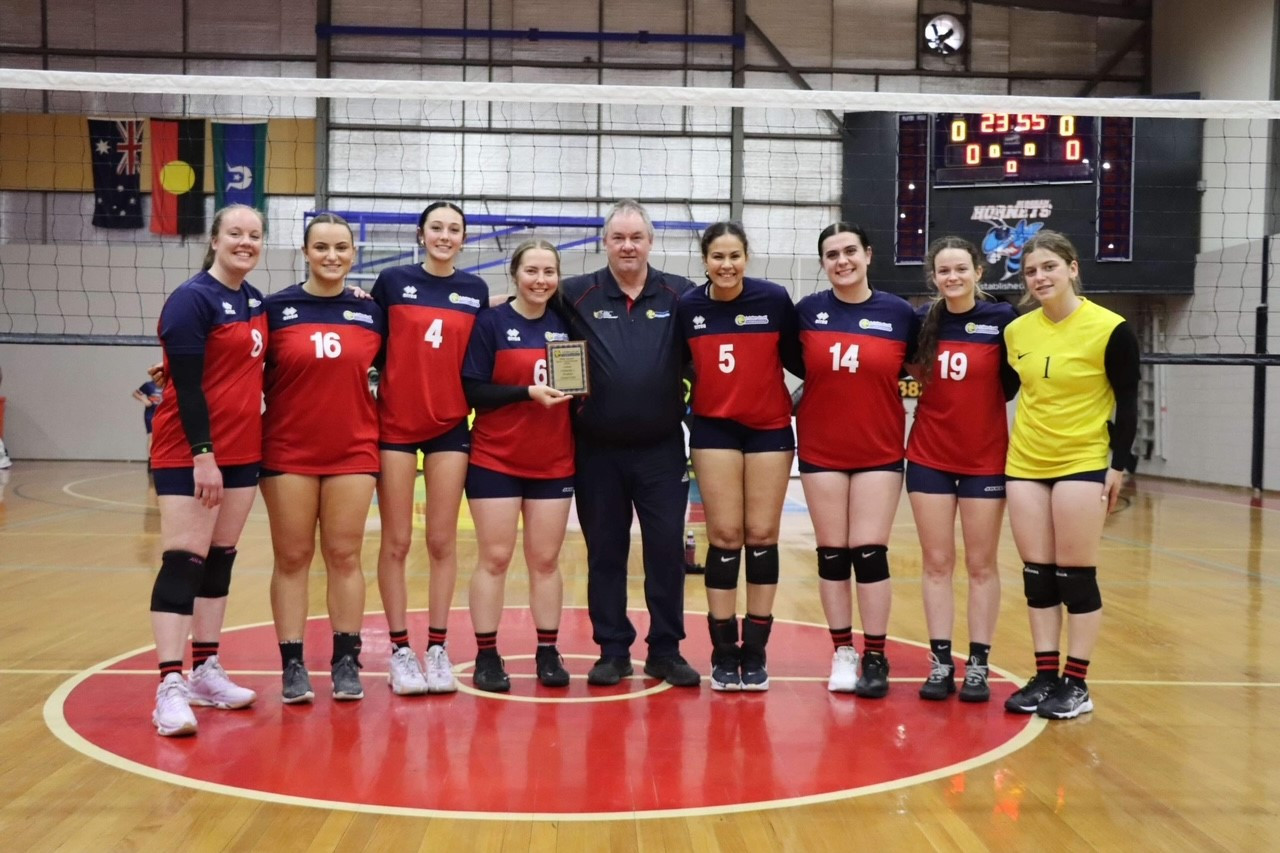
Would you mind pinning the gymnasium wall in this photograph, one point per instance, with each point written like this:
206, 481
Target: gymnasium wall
1207, 419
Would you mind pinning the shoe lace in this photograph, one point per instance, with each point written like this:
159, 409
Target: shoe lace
975, 674
938, 671
847, 654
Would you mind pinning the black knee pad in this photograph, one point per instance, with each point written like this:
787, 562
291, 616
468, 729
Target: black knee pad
1078, 586
217, 572
834, 564
723, 567
176, 583
1040, 585
762, 564
870, 563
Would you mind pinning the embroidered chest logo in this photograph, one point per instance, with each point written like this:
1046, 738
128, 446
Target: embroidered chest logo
410, 292
751, 320
876, 325
289, 313
981, 329
604, 314
699, 323
459, 299
254, 303
227, 309
821, 319
513, 335
357, 317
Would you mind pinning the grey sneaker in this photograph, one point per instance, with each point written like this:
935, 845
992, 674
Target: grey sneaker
297, 684
1070, 699
346, 679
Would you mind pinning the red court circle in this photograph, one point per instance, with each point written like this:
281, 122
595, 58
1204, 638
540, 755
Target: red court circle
642, 749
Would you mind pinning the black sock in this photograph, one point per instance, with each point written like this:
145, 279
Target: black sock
345, 644
291, 650
942, 651
979, 652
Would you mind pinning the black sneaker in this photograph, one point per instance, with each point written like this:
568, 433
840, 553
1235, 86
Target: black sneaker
297, 684
346, 679
490, 675
724, 669
874, 681
1070, 699
754, 674
1026, 700
608, 671
941, 682
674, 670
975, 687
551, 671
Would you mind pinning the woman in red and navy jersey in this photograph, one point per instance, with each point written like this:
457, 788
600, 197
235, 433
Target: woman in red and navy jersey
207, 443
851, 425
430, 309
521, 462
955, 458
320, 451
736, 330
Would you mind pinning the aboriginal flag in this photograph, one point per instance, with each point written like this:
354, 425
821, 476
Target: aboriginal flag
116, 149
177, 176
239, 164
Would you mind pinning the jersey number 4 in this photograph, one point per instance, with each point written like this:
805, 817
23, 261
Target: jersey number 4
848, 360
435, 333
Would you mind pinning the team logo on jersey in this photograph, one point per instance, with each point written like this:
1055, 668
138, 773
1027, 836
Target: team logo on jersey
357, 317
656, 315
604, 314
410, 292
751, 320
289, 313
822, 318
699, 323
513, 334
981, 329
877, 325
459, 299
254, 303
227, 309
555, 336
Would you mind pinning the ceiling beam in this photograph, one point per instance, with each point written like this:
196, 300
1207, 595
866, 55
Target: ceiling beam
1131, 11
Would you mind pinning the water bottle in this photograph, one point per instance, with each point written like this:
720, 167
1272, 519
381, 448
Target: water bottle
691, 554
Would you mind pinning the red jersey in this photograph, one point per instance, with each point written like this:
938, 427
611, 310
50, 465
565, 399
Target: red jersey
961, 425
320, 417
851, 415
525, 439
735, 347
205, 317
429, 322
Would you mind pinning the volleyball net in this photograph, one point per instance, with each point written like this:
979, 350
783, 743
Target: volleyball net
108, 183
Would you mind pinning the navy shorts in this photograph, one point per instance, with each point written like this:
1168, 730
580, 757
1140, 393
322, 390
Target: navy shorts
271, 472
182, 481
810, 468
727, 434
1099, 476
456, 439
488, 483
931, 481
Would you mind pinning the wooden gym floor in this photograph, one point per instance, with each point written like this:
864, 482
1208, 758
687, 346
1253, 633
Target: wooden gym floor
1181, 753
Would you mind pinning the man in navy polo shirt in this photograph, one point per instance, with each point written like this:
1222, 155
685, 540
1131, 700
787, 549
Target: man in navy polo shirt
630, 447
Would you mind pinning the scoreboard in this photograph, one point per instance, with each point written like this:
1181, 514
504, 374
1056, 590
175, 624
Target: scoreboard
1012, 148
1124, 190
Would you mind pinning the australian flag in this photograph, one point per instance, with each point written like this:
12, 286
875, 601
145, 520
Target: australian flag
117, 161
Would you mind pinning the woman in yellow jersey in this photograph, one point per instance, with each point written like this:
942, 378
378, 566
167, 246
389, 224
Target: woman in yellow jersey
1078, 363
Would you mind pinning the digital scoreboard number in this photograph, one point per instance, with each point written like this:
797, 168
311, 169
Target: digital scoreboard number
1012, 148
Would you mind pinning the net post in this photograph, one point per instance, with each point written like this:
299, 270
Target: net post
1260, 374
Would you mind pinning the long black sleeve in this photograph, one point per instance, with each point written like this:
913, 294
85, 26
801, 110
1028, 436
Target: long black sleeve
1122, 360
488, 395
186, 372
1010, 382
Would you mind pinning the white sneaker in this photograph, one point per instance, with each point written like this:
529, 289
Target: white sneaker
172, 716
209, 685
404, 673
439, 671
844, 670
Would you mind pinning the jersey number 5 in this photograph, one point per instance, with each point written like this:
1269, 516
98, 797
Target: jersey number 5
435, 333
727, 361
848, 361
